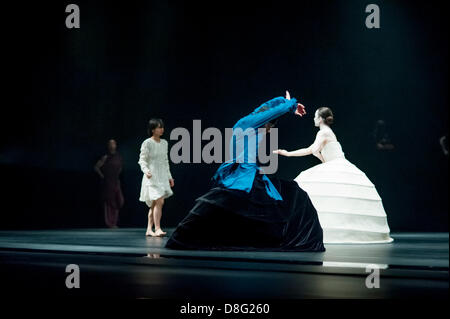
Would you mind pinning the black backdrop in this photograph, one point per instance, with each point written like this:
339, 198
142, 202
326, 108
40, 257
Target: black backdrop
67, 91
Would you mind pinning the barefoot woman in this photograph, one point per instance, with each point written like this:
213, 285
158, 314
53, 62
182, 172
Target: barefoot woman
157, 180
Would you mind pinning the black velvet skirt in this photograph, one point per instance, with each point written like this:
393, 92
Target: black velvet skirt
226, 219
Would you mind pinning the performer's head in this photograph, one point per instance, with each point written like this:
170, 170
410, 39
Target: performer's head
155, 127
112, 146
323, 115
269, 125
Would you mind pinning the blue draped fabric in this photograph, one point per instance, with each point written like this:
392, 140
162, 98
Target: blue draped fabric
239, 172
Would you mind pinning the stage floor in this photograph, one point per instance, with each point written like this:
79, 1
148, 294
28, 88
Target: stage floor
123, 262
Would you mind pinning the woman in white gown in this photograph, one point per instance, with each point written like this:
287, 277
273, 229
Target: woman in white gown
348, 205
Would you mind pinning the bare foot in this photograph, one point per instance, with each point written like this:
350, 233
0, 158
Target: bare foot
150, 233
160, 233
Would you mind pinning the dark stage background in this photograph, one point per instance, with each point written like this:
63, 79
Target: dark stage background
67, 91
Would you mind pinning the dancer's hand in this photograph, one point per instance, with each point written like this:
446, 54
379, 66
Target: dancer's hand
288, 96
171, 182
281, 152
148, 174
300, 110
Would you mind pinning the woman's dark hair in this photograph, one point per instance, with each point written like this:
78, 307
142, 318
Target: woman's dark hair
263, 109
326, 114
273, 122
154, 123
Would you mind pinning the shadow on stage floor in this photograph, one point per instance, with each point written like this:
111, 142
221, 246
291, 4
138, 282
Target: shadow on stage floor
123, 262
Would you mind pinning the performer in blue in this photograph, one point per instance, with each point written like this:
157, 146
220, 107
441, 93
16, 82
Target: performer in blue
245, 209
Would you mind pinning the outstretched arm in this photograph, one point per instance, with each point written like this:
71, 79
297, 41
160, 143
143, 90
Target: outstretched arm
271, 110
267, 112
314, 148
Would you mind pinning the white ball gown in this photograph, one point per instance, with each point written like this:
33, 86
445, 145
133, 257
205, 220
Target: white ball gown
348, 205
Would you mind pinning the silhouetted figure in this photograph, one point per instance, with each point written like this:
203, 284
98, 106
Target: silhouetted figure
382, 139
109, 168
443, 141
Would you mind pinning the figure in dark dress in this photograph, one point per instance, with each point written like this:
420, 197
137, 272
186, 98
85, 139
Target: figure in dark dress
109, 167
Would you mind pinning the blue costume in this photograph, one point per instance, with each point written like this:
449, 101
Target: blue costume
242, 176
246, 210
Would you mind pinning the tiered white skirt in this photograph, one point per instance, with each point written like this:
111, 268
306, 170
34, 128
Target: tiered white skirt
348, 205
154, 188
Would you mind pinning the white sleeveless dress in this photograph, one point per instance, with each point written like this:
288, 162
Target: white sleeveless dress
154, 159
347, 203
